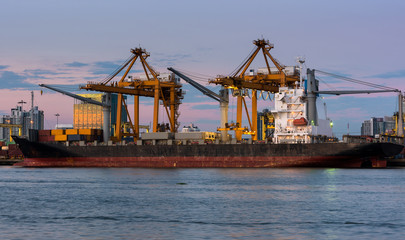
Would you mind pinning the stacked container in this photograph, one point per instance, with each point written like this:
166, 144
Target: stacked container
59, 134
45, 136
63, 135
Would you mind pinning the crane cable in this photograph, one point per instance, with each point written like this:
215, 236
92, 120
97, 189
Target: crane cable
356, 81
324, 82
195, 76
117, 70
243, 62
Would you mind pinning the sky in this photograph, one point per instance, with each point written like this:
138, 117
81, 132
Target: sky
73, 42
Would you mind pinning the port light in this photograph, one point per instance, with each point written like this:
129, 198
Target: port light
331, 124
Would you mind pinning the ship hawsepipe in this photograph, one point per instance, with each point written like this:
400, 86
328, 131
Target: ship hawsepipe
336, 155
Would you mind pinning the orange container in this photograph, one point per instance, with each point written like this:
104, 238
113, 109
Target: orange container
72, 131
60, 137
86, 131
57, 132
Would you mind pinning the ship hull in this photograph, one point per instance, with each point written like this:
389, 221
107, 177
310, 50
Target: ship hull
336, 155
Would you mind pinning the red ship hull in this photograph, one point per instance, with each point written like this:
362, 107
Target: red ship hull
334, 155
204, 162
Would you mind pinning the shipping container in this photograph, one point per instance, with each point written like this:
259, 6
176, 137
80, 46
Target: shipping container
57, 132
86, 131
72, 131
44, 132
157, 136
60, 137
46, 138
77, 137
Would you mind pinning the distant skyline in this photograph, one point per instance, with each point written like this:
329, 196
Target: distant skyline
72, 42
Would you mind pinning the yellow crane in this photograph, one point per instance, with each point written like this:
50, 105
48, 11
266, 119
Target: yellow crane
269, 82
169, 92
10, 127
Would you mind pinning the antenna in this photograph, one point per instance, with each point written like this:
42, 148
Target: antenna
301, 61
32, 100
22, 104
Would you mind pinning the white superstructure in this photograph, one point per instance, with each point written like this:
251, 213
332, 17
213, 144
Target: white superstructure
291, 118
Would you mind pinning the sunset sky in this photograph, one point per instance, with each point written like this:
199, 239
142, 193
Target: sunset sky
72, 42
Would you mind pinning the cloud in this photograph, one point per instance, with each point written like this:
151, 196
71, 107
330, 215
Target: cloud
40, 72
105, 67
393, 74
3, 67
76, 64
12, 80
205, 106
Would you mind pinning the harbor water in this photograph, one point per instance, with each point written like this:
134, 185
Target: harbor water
102, 203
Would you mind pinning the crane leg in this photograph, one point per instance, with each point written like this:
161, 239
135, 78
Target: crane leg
118, 132
172, 111
136, 117
156, 109
254, 114
238, 133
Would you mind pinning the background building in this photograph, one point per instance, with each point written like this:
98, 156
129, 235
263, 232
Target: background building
86, 115
376, 126
32, 119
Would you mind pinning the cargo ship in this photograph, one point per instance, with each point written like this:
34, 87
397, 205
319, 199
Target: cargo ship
298, 137
297, 142
334, 154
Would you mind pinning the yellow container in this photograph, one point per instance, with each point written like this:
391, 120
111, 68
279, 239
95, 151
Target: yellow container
86, 131
57, 132
60, 137
72, 131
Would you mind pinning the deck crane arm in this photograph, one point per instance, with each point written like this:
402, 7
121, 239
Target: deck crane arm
84, 99
355, 92
198, 86
313, 90
106, 107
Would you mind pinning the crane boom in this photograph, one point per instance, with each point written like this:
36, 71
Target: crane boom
84, 99
355, 92
198, 86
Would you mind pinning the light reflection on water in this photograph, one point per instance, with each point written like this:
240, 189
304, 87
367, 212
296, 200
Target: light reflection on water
96, 203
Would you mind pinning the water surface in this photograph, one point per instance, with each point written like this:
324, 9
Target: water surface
100, 203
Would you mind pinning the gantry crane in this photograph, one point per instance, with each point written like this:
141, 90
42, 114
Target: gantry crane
270, 82
169, 92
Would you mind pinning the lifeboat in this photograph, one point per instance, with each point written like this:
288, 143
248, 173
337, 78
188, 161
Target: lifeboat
300, 122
